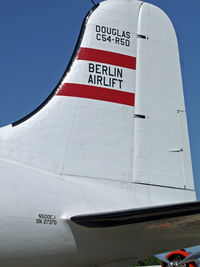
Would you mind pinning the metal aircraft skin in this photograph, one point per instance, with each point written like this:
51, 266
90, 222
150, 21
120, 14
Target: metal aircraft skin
101, 174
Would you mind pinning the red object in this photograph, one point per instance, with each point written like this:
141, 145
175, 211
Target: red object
182, 253
98, 93
107, 57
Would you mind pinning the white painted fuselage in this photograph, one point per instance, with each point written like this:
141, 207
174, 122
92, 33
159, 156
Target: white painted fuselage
35, 206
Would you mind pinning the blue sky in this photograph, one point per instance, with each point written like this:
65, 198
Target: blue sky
37, 38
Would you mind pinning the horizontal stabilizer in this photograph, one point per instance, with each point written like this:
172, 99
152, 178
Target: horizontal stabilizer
138, 215
124, 233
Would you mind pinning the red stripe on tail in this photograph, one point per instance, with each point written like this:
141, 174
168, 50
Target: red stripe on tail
97, 93
106, 57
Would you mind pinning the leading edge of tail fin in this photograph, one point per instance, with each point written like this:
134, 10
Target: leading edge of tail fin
111, 114
53, 93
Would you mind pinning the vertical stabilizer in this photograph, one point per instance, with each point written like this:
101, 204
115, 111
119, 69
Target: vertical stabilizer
118, 114
86, 129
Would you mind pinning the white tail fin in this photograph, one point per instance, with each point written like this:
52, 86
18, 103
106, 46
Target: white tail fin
89, 129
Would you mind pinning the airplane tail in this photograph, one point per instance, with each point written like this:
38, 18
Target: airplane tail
118, 112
